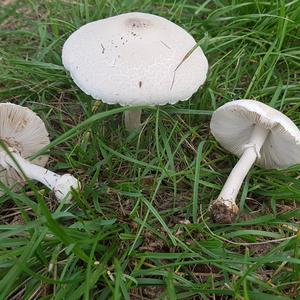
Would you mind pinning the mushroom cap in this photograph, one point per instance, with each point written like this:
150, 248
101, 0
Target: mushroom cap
232, 125
135, 59
21, 129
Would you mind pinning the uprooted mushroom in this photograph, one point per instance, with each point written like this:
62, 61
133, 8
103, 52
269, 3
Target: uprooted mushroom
257, 133
22, 134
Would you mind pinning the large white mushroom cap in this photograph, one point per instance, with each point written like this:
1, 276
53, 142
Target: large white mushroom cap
233, 123
135, 58
22, 130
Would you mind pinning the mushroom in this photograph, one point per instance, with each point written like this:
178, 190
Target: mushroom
257, 133
22, 134
135, 59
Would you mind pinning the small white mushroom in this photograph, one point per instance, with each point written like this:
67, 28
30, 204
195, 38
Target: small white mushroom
23, 133
257, 133
135, 59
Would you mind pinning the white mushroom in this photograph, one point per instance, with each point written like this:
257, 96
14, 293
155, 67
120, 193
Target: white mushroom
257, 133
135, 59
22, 134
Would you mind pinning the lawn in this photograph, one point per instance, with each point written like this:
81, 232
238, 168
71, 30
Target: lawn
140, 227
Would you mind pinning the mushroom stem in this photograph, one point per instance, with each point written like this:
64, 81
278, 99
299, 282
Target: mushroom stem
60, 184
224, 209
133, 119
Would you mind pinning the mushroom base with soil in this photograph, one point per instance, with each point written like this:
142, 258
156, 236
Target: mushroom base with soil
223, 211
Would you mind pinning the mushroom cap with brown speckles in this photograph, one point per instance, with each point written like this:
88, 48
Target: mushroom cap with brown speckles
135, 59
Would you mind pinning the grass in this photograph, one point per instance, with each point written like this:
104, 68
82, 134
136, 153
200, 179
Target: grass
139, 229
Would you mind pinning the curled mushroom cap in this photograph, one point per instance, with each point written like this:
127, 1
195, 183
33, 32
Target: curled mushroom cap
257, 133
22, 130
135, 59
22, 134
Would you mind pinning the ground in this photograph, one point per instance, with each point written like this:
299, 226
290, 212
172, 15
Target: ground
140, 228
